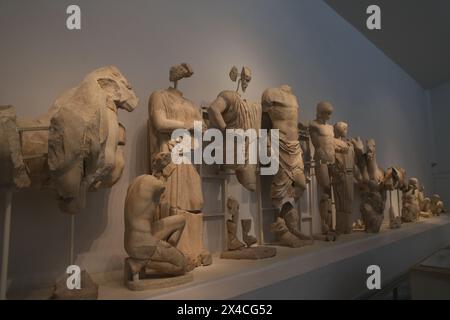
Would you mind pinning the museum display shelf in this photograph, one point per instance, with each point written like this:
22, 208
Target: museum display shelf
323, 270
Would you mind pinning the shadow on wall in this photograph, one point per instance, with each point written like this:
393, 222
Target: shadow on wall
139, 153
40, 236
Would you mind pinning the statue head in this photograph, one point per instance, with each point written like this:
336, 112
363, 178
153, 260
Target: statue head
324, 110
180, 71
234, 74
414, 183
340, 129
116, 86
245, 77
435, 198
159, 162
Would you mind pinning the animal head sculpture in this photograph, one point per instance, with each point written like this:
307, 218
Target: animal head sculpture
85, 137
358, 144
395, 178
115, 86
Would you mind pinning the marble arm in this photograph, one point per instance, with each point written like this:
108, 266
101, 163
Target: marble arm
215, 112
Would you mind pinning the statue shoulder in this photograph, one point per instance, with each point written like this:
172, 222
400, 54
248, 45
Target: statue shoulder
228, 95
313, 125
157, 94
157, 99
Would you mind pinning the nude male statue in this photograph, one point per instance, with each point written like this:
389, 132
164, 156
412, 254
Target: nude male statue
151, 242
323, 140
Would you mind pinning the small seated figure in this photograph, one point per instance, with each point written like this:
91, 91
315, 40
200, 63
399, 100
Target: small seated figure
411, 206
436, 205
424, 203
151, 242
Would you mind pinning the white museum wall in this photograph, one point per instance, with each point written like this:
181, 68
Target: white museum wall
440, 111
301, 43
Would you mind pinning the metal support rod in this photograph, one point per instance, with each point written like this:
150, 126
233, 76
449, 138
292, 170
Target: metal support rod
5, 249
259, 214
333, 203
311, 197
72, 239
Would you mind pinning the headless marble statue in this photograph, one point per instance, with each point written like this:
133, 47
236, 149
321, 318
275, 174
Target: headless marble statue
411, 205
343, 179
170, 110
230, 111
280, 107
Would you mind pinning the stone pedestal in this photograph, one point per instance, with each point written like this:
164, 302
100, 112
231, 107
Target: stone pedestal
88, 291
252, 253
149, 279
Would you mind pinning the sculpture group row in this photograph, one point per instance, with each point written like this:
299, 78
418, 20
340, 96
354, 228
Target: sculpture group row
78, 146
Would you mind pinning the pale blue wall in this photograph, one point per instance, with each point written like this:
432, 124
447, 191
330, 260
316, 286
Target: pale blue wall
302, 43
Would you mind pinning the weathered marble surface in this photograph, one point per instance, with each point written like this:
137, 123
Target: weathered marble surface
168, 111
76, 146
